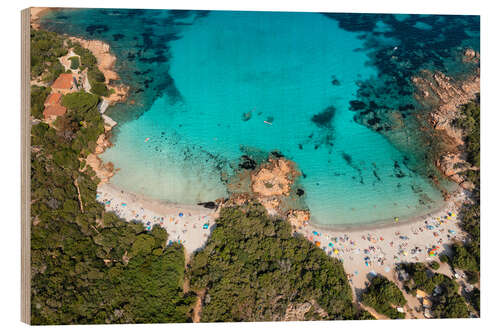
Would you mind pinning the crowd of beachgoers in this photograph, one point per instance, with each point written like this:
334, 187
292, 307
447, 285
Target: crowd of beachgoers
377, 249
188, 225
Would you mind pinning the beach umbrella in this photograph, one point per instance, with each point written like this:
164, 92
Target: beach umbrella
330, 244
336, 251
317, 243
181, 214
396, 219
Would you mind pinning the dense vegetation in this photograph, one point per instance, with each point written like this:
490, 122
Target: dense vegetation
470, 214
448, 303
38, 96
88, 266
383, 296
46, 47
252, 269
95, 76
469, 121
467, 256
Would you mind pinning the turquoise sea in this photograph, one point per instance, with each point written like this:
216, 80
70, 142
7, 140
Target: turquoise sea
210, 87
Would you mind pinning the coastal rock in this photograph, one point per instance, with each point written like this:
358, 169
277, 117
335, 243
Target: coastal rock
104, 171
467, 185
297, 312
444, 96
208, 204
274, 178
105, 62
452, 164
102, 144
470, 55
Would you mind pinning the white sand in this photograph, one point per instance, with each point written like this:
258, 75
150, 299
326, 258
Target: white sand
187, 230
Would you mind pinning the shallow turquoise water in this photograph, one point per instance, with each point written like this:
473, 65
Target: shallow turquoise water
279, 66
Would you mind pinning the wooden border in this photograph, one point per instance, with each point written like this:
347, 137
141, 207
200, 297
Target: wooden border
25, 169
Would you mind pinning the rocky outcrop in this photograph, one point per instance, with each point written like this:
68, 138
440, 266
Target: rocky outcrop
102, 144
448, 95
470, 56
297, 312
444, 96
105, 62
274, 178
272, 181
104, 171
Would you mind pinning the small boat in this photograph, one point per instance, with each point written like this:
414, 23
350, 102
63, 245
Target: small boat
265, 121
147, 139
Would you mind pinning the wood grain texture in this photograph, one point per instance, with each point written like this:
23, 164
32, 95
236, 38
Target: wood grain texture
25, 168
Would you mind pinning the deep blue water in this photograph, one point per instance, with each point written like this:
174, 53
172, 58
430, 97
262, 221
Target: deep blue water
203, 84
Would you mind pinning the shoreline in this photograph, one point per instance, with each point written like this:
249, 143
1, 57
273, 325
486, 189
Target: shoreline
459, 195
363, 251
183, 223
36, 14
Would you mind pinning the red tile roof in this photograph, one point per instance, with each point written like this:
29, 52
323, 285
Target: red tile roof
52, 99
54, 110
64, 81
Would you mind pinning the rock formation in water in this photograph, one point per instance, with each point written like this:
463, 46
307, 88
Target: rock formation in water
444, 96
274, 178
272, 184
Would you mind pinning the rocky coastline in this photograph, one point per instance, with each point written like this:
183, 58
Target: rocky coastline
105, 62
271, 183
426, 118
444, 96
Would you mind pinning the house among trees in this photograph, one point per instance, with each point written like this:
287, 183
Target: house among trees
51, 112
53, 108
64, 84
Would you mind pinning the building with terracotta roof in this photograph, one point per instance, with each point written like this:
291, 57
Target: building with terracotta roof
52, 99
64, 84
51, 112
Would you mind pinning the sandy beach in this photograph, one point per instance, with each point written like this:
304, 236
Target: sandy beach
377, 249
188, 225
36, 13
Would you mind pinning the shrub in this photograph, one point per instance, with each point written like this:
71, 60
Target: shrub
75, 62
382, 295
444, 258
38, 96
434, 265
